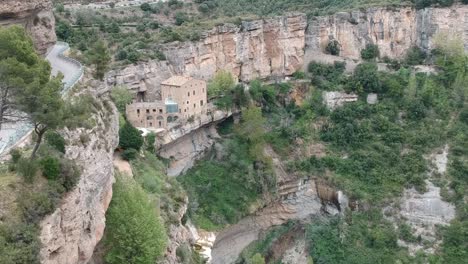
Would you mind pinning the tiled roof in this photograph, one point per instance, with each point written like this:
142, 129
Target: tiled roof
176, 80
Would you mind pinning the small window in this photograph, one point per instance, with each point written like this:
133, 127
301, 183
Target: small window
203, 89
151, 124
147, 111
194, 105
193, 92
160, 111
138, 111
160, 124
188, 94
185, 110
154, 110
188, 102
201, 102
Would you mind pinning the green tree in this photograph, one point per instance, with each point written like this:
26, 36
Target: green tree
221, 83
19, 66
370, 52
366, 77
135, 234
121, 97
252, 129
63, 30
32, 91
130, 137
99, 57
44, 106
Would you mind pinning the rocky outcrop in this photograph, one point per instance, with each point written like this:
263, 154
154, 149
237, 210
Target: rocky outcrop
393, 30
70, 234
184, 144
35, 15
424, 211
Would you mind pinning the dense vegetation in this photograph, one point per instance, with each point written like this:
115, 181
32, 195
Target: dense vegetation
135, 234
373, 152
224, 187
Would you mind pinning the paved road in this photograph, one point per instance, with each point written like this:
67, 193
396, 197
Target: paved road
70, 69
16, 134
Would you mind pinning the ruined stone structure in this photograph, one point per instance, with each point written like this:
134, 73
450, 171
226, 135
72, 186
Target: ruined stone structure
35, 16
181, 98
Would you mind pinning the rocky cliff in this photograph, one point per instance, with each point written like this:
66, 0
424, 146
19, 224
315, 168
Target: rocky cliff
255, 49
280, 46
70, 234
393, 30
35, 15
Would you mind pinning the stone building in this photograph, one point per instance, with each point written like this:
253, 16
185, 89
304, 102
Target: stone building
181, 98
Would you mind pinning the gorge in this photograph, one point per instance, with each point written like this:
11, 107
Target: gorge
270, 49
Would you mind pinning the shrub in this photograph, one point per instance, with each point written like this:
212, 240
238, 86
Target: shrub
36, 205
15, 155
370, 52
56, 141
121, 55
333, 48
130, 137
366, 77
145, 7
19, 243
121, 97
50, 167
415, 56
257, 259
129, 154
27, 168
150, 141
299, 75
69, 174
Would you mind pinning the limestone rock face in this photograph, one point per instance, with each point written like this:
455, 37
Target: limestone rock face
70, 234
256, 49
35, 15
393, 30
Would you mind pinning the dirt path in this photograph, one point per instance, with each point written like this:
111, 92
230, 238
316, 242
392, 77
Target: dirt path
122, 165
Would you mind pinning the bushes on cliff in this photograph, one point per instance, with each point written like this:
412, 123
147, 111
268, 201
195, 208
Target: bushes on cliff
221, 83
370, 52
130, 137
121, 97
55, 140
134, 231
333, 48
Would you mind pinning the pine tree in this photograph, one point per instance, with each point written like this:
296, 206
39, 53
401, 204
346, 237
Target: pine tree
99, 56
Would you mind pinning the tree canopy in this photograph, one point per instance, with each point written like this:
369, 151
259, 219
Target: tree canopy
135, 234
221, 83
26, 85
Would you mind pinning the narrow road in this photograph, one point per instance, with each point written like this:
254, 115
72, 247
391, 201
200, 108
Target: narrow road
71, 69
15, 134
